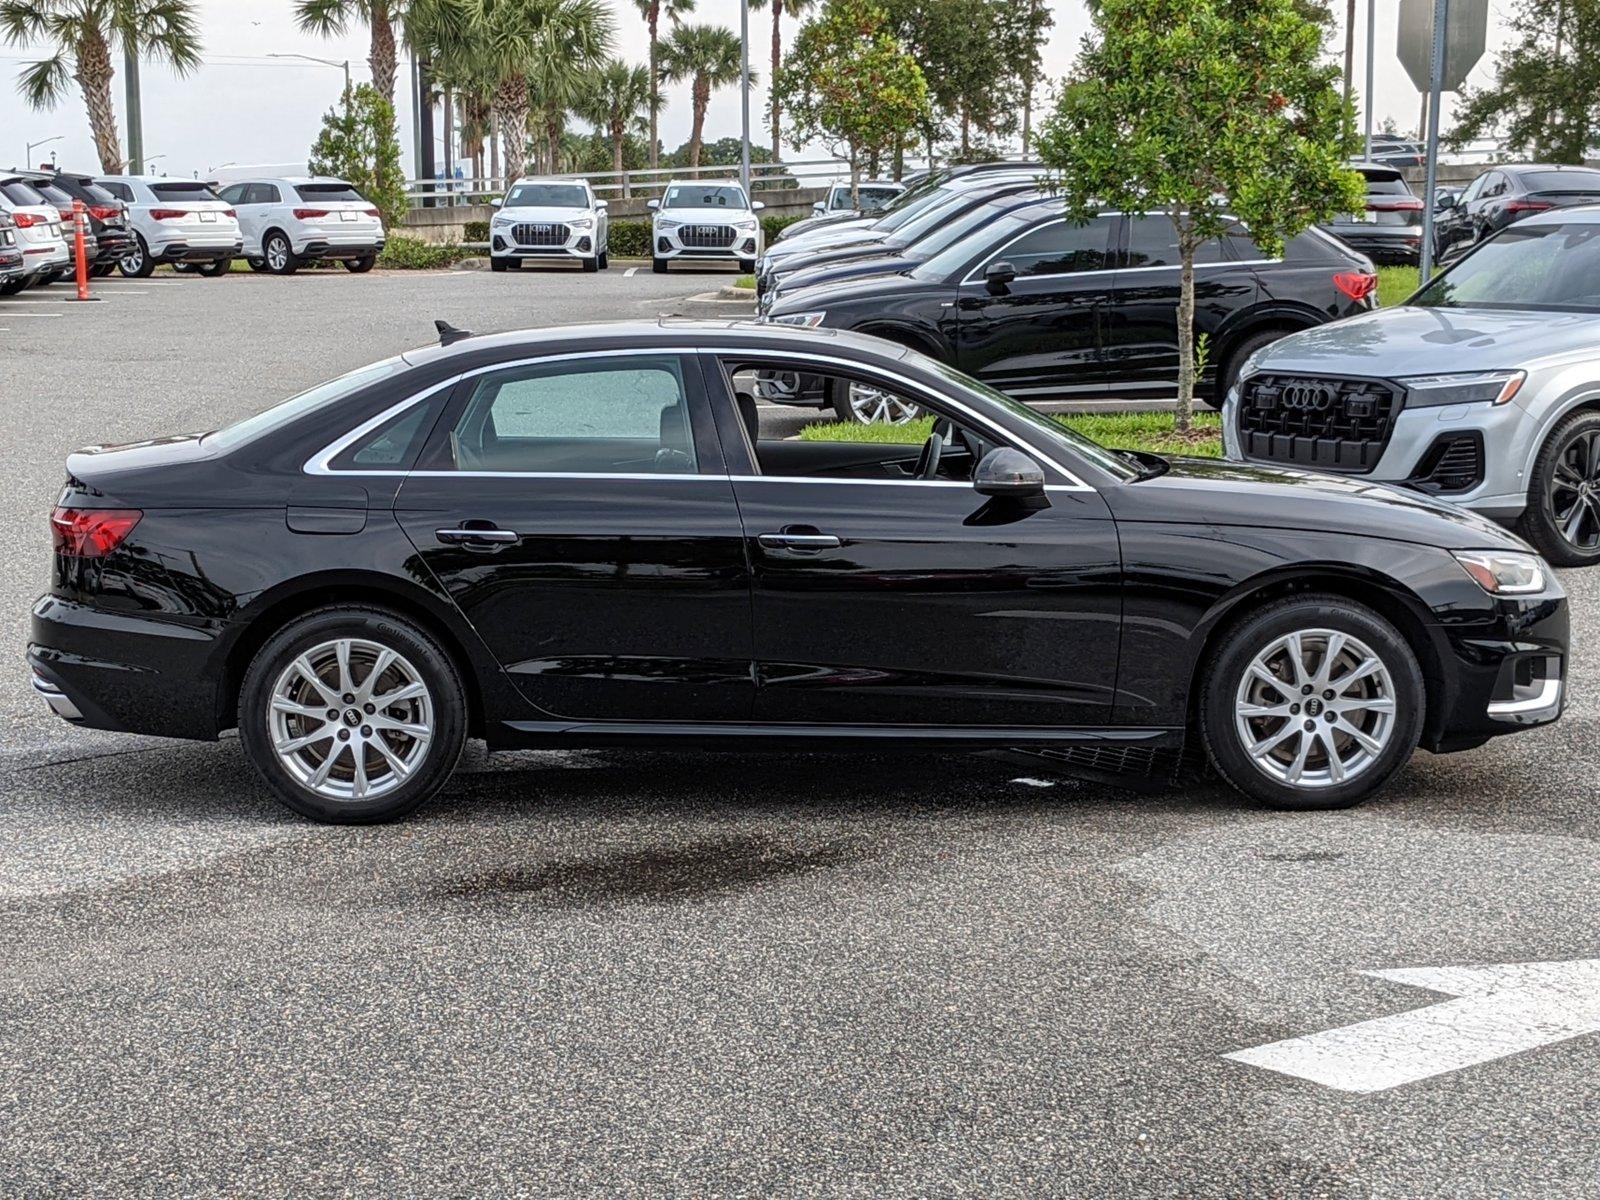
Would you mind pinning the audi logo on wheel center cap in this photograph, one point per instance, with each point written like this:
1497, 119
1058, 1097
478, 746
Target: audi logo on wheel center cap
1307, 396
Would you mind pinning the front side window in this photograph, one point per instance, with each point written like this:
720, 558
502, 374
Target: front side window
547, 195
627, 416
234, 194
876, 199
695, 195
1553, 268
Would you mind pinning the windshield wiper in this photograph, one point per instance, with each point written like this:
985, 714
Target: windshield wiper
1146, 466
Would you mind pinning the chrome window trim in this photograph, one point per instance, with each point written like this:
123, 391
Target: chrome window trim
317, 464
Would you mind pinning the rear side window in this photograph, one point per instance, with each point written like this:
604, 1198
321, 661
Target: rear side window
627, 416
327, 192
183, 192
395, 444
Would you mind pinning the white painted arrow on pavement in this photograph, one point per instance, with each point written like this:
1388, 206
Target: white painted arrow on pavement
1499, 1010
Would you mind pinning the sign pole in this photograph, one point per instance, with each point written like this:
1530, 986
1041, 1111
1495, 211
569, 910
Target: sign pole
1441, 19
1372, 55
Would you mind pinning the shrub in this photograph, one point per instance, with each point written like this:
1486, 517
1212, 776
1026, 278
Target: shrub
630, 239
475, 231
413, 254
772, 226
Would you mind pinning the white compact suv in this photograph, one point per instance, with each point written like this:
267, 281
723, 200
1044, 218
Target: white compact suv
550, 218
711, 221
177, 221
38, 231
287, 223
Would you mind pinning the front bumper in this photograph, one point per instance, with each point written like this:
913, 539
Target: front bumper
579, 243
669, 244
1506, 671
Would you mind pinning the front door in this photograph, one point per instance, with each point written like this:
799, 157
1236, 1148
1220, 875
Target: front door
578, 512
885, 599
1042, 333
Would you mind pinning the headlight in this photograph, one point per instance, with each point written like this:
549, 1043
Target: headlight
1495, 387
582, 222
663, 223
502, 222
808, 320
1503, 572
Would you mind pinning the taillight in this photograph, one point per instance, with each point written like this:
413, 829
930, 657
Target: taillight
29, 220
230, 212
1358, 285
310, 214
167, 214
372, 212
1517, 206
91, 532
1396, 206
103, 212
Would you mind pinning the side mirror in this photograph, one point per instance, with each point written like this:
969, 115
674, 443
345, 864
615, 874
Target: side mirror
998, 274
816, 208
1444, 200
758, 205
1009, 473
652, 204
497, 202
602, 204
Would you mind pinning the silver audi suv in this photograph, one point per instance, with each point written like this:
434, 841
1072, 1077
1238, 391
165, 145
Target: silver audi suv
1482, 389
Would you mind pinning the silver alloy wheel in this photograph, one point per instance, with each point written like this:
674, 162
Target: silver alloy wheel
1315, 708
350, 719
875, 406
277, 253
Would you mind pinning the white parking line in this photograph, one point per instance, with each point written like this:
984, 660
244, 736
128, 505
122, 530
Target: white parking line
630, 272
10, 316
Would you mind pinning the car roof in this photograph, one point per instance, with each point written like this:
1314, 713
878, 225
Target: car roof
665, 332
547, 179
289, 179
702, 183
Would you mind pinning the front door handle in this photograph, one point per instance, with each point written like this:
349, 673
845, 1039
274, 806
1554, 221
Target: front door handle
486, 537
801, 543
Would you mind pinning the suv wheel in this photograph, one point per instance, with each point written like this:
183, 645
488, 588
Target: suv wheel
862, 404
658, 266
605, 258
592, 263
1228, 376
279, 254
213, 270
1312, 702
360, 266
352, 715
1562, 519
137, 263
498, 264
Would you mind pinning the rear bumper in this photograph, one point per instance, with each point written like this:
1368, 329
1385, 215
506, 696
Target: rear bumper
125, 673
1401, 243
187, 252
338, 247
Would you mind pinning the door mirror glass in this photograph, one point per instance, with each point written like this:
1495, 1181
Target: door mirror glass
998, 274
602, 204
817, 209
1010, 473
497, 202
758, 205
652, 204
1444, 200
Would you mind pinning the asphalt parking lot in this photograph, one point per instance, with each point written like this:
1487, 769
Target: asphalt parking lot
642, 974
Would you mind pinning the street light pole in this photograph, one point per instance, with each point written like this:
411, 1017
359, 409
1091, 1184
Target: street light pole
744, 96
27, 157
130, 79
1372, 54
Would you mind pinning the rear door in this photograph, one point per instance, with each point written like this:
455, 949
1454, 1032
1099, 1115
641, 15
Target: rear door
1042, 333
578, 512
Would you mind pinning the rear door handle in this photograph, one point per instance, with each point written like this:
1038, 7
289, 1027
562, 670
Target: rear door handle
805, 543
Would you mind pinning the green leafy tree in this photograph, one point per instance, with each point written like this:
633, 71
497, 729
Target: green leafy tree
708, 57
332, 18
724, 152
1207, 111
1545, 99
1023, 26
358, 143
83, 36
966, 57
652, 11
566, 55
794, 8
849, 79
616, 99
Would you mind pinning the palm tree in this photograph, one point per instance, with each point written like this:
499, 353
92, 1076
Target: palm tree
330, 18
568, 50
652, 11
84, 34
794, 8
707, 56
616, 98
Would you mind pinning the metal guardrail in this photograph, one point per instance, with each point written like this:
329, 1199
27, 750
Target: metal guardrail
627, 185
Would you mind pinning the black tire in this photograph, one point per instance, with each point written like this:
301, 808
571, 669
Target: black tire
591, 264
277, 244
1230, 664
747, 266
101, 270
605, 258
498, 264
10, 287
360, 266
658, 266
1574, 446
1229, 374
256, 264
384, 629
47, 280
214, 270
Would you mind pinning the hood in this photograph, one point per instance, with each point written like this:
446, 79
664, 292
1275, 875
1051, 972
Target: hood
841, 272
543, 213
1207, 491
1392, 342
833, 238
852, 291
824, 255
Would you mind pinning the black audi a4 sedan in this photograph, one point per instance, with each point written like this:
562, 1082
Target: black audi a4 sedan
579, 537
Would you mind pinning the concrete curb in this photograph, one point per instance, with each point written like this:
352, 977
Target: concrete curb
732, 292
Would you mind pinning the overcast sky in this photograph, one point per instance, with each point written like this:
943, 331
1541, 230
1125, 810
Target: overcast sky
243, 107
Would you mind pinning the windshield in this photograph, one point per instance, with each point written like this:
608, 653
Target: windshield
1049, 435
986, 235
709, 195
1553, 268
944, 225
897, 215
548, 195
279, 415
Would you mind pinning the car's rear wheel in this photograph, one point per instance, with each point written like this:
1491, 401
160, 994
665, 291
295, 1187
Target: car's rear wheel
137, 263
352, 715
360, 266
279, 253
1228, 376
862, 404
1311, 702
212, 270
10, 287
1562, 519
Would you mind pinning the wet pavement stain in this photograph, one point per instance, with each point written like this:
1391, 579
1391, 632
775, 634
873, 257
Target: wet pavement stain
659, 874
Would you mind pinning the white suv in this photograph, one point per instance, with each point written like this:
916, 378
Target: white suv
705, 222
177, 221
287, 223
550, 218
39, 234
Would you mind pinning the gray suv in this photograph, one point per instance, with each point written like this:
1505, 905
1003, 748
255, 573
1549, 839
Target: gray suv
1482, 389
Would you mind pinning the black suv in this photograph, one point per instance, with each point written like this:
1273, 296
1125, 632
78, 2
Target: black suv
1042, 308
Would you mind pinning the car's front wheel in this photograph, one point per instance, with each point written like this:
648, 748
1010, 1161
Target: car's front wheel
352, 715
605, 258
658, 266
1311, 702
1562, 519
592, 263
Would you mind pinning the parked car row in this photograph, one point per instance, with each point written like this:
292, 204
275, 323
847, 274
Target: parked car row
138, 222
